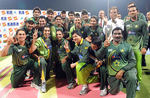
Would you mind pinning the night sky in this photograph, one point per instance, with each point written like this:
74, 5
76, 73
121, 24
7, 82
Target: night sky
92, 6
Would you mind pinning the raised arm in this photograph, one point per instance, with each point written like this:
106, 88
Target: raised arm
33, 46
10, 40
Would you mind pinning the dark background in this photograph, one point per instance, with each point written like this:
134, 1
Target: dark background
92, 6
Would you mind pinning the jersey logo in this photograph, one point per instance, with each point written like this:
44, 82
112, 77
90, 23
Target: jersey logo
122, 50
131, 33
80, 56
115, 57
109, 50
136, 26
116, 63
24, 56
85, 47
19, 50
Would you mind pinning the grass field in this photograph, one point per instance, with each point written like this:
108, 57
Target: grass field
145, 85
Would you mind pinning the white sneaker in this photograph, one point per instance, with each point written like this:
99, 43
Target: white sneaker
43, 87
103, 92
138, 87
35, 86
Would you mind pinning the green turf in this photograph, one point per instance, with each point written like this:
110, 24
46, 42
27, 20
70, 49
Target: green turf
145, 85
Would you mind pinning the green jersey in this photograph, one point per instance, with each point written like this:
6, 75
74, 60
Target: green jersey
50, 22
97, 32
85, 22
53, 31
120, 57
35, 21
29, 37
81, 30
20, 54
139, 16
61, 50
70, 24
43, 47
82, 51
137, 33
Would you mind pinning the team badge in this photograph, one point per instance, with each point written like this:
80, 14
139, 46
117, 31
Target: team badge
116, 63
122, 50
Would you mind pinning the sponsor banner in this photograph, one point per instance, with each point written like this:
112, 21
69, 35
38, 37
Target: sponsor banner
11, 20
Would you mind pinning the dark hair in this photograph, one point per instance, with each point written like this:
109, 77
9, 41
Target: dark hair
50, 11
63, 12
20, 30
42, 17
97, 41
46, 26
84, 12
77, 32
71, 12
59, 29
132, 7
58, 16
132, 3
77, 15
117, 28
113, 8
37, 8
95, 17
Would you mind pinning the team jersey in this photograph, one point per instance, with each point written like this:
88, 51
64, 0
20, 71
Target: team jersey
20, 54
136, 33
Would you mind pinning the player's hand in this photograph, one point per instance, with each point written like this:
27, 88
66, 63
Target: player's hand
73, 65
66, 46
106, 43
35, 35
119, 74
143, 50
10, 39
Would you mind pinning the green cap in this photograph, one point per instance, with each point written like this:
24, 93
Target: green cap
30, 20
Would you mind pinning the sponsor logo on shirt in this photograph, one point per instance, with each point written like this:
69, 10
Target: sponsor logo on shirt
19, 50
24, 56
131, 33
85, 47
136, 26
122, 50
80, 56
115, 57
109, 50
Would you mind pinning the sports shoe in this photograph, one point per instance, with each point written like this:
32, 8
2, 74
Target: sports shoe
138, 87
43, 87
84, 91
72, 85
33, 85
103, 92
